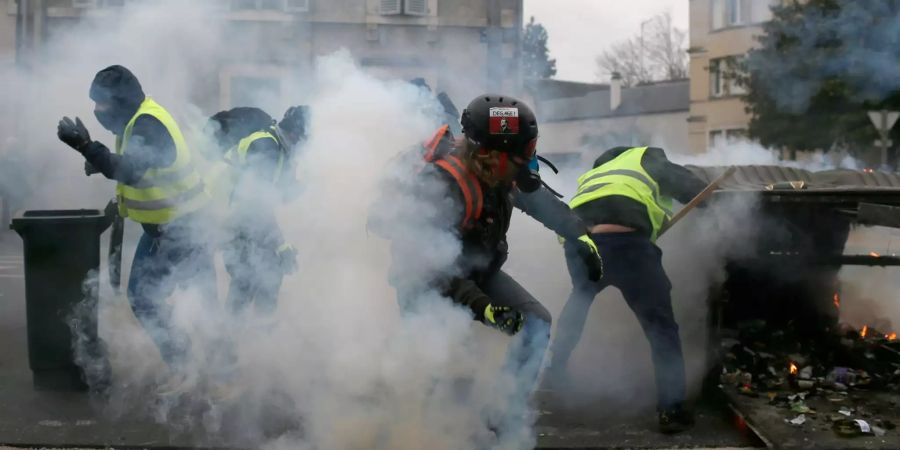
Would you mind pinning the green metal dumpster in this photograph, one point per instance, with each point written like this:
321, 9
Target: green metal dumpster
62, 261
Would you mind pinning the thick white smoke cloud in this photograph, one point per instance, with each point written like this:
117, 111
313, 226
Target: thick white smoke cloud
336, 367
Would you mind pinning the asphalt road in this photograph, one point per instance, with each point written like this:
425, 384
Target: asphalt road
67, 420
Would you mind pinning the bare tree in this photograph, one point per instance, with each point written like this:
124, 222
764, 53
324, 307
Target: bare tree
665, 47
625, 58
658, 54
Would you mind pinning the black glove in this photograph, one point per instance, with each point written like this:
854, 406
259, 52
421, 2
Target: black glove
589, 253
89, 169
74, 134
504, 319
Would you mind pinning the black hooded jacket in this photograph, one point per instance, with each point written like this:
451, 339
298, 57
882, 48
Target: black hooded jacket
150, 144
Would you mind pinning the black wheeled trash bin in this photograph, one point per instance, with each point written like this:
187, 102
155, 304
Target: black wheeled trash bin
62, 261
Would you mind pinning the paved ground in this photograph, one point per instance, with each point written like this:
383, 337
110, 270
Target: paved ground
50, 419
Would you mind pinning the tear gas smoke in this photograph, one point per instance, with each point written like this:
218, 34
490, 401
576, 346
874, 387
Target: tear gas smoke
336, 366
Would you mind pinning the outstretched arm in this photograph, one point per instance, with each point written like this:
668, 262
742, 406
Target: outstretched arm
550, 211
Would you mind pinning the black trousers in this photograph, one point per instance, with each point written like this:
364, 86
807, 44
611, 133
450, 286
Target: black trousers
528, 348
632, 264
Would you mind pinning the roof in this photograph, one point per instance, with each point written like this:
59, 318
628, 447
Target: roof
654, 98
548, 89
756, 178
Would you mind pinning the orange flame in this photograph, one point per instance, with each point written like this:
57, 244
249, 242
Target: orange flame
864, 331
891, 336
837, 300
874, 255
793, 369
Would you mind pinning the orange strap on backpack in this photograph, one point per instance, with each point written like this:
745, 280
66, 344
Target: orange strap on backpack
432, 144
467, 181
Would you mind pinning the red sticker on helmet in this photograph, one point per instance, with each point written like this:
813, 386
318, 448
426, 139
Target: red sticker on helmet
504, 120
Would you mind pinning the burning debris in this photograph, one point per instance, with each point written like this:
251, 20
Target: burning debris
846, 380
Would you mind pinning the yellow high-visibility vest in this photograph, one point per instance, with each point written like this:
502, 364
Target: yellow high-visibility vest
244, 145
625, 176
162, 194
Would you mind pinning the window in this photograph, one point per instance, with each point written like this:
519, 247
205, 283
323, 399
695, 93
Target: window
718, 14
733, 13
274, 5
84, 4
761, 10
724, 77
720, 138
415, 7
727, 13
296, 5
408, 7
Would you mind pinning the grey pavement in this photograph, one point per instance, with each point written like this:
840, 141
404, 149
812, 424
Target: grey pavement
33, 418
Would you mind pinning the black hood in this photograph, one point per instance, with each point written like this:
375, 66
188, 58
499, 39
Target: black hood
295, 121
117, 86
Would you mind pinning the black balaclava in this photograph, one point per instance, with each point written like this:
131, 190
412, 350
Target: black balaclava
119, 88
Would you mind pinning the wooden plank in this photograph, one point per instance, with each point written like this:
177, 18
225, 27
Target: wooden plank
703, 195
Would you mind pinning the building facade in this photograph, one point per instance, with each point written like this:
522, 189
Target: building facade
721, 33
449, 43
580, 121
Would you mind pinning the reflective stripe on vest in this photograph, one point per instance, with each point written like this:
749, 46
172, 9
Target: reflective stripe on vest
625, 176
245, 143
165, 193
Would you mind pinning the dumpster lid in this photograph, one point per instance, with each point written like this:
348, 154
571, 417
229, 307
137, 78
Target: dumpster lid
59, 217
62, 213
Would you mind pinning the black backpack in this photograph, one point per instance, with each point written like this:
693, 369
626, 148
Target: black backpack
229, 127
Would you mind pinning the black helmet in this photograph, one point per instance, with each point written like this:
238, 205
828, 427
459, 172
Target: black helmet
294, 120
500, 122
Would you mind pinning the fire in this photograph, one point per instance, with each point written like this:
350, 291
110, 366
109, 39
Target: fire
793, 369
874, 255
837, 300
864, 331
891, 336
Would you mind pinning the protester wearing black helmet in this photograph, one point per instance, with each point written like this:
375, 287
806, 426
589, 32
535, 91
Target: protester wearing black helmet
479, 172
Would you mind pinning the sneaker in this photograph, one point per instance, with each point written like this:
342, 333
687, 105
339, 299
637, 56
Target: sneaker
675, 420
